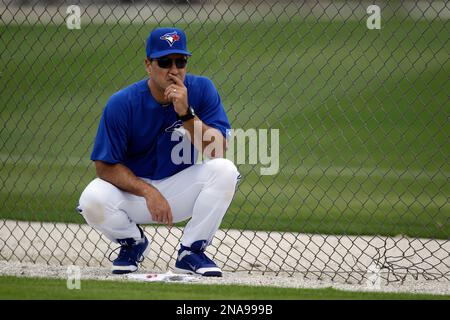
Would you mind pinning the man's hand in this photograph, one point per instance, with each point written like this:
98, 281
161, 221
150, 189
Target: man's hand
159, 207
177, 93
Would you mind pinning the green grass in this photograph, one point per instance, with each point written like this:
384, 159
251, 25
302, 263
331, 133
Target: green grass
343, 97
41, 288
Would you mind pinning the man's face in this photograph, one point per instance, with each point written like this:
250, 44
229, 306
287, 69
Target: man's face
159, 71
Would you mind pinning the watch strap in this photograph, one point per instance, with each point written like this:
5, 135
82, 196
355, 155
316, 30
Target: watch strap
188, 116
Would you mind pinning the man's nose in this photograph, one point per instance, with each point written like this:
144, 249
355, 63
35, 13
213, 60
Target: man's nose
173, 68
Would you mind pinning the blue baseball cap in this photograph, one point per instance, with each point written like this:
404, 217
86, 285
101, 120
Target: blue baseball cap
165, 41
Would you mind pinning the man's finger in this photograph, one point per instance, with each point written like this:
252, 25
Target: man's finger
173, 97
176, 79
169, 219
172, 92
170, 87
168, 90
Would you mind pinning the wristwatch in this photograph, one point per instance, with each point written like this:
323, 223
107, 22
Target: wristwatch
188, 116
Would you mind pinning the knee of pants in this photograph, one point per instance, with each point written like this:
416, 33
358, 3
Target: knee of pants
225, 173
99, 197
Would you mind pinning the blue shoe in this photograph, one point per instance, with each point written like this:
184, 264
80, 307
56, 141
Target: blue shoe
131, 253
194, 261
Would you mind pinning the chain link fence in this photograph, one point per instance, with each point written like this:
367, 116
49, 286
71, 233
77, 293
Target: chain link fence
358, 91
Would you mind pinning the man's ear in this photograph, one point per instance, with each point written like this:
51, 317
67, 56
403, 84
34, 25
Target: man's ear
147, 63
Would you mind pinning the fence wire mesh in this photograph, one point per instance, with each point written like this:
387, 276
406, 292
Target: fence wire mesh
360, 97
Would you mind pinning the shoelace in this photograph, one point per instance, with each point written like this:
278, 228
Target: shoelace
120, 253
124, 249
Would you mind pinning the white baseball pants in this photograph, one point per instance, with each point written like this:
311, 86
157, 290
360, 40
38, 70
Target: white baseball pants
203, 191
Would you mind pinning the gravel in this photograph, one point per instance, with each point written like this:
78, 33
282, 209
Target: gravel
237, 278
256, 258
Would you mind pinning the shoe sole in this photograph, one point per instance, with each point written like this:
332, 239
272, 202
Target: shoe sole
206, 274
117, 270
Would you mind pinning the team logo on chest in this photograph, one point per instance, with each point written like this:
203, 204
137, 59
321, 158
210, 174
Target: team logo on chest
170, 37
176, 127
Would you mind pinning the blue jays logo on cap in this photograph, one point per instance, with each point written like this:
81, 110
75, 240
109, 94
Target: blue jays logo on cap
170, 37
166, 41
